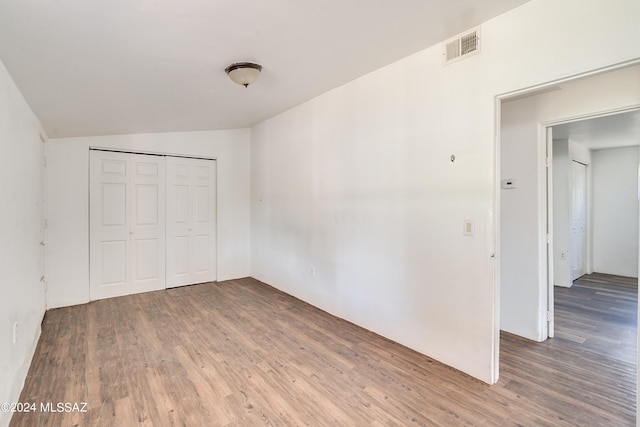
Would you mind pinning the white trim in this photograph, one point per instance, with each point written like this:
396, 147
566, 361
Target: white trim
549, 85
495, 355
543, 207
603, 113
548, 324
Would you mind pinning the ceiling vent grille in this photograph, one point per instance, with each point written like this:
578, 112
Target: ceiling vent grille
461, 46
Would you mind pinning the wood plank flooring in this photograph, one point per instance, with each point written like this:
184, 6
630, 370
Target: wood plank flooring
242, 353
586, 375
600, 312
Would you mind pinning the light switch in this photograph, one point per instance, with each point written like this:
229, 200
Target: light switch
469, 228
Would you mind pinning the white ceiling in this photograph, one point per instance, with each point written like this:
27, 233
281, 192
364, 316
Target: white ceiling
617, 130
133, 66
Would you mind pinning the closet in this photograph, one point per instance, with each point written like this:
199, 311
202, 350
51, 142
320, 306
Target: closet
152, 222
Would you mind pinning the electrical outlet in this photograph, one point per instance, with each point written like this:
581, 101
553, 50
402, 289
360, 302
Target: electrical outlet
563, 255
313, 272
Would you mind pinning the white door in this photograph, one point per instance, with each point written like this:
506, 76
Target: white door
127, 224
578, 230
191, 221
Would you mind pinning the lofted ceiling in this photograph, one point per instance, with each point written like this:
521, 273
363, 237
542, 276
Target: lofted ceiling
136, 66
610, 131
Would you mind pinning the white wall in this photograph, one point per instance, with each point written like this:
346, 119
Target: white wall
22, 297
615, 211
68, 202
523, 273
357, 209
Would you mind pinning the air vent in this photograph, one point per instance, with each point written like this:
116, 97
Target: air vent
461, 46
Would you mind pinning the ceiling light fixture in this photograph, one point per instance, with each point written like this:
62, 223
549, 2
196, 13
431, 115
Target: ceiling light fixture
243, 73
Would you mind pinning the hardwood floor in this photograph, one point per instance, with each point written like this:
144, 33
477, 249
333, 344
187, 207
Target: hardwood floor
243, 353
600, 312
586, 375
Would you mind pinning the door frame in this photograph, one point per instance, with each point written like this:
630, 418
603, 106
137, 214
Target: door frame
546, 278
549, 207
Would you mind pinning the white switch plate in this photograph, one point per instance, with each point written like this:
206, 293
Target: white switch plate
469, 228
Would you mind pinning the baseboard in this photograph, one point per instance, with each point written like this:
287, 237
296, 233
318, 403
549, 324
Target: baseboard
563, 285
16, 387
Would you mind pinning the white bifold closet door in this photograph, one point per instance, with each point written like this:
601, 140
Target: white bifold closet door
191, 221
127, 223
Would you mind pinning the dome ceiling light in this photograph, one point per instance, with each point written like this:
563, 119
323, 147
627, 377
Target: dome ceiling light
244, 73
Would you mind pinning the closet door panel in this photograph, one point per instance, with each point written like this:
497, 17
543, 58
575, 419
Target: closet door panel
113, 263
148, 228
109, 257
191, 242
178, 197
204, 221
127, 223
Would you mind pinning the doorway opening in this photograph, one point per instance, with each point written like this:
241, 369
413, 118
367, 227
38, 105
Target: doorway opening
526, 227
